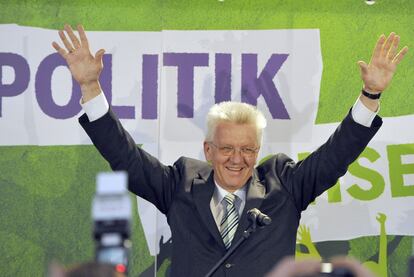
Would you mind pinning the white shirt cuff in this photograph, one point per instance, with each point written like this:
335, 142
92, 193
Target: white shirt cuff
362, 114
96, 107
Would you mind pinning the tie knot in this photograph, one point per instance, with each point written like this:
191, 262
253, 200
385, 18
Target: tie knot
230, 199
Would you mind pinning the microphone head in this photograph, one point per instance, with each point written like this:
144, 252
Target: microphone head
265, 221
256, 216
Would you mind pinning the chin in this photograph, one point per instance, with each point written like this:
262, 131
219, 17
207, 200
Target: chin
235, 185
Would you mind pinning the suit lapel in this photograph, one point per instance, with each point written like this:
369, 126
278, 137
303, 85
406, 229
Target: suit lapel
203, 189
254, 198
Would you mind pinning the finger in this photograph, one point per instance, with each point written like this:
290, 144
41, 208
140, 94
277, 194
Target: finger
393, 49
66, 42
72, 36
82, 36
281, 267
99, 54
378, 47
387, 44
351, 264
363, 67
307, 267
400, 55
60, 50
290, 267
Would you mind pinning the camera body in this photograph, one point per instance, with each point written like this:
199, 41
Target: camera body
111, 215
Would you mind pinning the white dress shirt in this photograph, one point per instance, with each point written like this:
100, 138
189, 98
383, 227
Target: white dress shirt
217, 206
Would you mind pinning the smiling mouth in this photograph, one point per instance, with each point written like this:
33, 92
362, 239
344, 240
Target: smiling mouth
234, 169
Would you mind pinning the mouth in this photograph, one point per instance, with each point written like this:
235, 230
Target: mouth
234, 168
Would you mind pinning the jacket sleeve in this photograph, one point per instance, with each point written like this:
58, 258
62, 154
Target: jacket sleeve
147, 177
307, 179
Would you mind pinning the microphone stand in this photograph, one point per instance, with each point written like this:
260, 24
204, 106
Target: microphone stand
245, 236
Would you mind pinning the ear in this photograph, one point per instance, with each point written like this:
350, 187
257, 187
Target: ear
207, 151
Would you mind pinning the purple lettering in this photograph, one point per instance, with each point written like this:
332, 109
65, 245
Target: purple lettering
185, 63
253, 86
223, 78
43, 90
123, 112
149, 86
21, 75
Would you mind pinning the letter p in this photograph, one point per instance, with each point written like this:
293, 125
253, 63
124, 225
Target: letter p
21, 76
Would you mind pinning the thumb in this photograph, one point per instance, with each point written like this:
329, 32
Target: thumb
363, 66
99, 54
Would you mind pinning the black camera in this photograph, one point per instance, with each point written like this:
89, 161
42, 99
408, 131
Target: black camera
111, 214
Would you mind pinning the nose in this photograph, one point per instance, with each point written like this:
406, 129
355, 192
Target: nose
236, 157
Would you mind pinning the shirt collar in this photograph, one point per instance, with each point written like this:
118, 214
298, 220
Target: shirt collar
220, 193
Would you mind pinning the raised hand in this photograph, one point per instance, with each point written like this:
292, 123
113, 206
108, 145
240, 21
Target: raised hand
378, 73
304, 236
85, 67
381, 218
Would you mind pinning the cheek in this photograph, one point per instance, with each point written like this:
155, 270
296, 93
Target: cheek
219, 161
250, 163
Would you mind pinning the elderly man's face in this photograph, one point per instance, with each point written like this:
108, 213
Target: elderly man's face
233, 154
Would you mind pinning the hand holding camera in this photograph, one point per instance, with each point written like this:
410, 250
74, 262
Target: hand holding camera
339, 267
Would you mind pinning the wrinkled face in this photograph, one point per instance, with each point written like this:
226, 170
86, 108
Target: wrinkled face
232, 170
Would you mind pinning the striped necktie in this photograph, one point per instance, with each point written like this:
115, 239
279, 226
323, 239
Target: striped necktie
230, 220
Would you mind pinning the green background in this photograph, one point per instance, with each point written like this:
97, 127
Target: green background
45, 192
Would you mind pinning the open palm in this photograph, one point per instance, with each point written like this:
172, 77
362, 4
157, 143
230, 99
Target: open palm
378, 73
85, 67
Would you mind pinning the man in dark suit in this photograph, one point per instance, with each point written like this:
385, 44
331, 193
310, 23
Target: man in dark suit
206, 203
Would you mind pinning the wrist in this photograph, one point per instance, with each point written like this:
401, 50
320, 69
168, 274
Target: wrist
90, 90
371, 104
371, 95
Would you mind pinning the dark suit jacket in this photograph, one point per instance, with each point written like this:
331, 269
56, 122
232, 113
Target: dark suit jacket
279, 187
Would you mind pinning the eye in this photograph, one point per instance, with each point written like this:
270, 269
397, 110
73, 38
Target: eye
226, 149
248, 150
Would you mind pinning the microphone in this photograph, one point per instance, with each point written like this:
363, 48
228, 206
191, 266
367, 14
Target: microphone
256, 216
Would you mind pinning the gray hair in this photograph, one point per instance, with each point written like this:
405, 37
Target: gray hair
235, 112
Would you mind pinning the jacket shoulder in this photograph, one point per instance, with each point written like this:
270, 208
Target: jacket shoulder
192, 168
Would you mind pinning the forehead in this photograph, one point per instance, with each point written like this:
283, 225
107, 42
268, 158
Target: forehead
236, 134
